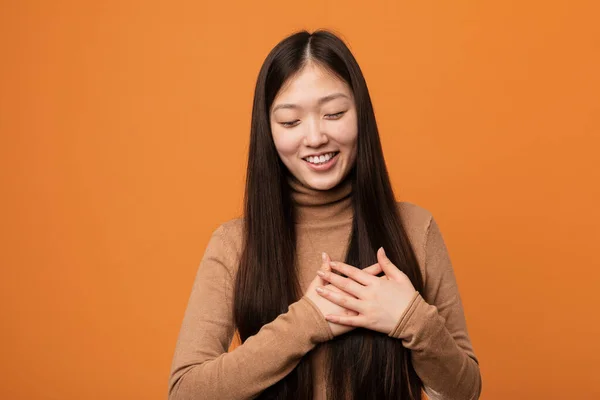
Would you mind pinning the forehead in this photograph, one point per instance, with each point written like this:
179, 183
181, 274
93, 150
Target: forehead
309, 84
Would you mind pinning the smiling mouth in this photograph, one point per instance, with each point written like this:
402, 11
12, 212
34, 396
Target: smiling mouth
321, 159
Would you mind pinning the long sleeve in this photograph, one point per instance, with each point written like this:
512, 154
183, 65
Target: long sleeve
203, 369
435, 330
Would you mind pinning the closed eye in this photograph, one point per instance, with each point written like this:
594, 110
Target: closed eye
337, 115
333, 116
288, 124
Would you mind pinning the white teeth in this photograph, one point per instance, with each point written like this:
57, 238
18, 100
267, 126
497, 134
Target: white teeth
320, 159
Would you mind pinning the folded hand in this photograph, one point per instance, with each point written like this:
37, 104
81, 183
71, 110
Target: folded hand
374, 303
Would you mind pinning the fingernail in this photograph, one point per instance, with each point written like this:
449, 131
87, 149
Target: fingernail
320, 273
333, 263
383, 252
320, 290
324, 256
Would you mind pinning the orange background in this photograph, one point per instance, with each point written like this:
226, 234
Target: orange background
124, 132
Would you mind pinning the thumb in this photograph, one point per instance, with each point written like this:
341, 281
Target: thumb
318, 281
386, 264
326, 260
324, 267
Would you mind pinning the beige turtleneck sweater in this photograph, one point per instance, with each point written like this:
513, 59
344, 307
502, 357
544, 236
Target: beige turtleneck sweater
433, 325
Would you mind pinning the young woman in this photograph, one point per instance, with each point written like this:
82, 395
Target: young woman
384, 319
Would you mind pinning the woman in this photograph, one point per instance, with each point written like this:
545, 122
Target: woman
387, 322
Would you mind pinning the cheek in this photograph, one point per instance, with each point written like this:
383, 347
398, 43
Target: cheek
346, 134
286, 145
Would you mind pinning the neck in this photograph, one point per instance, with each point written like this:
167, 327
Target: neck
315, 207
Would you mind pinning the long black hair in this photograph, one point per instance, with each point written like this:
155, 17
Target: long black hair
267, 282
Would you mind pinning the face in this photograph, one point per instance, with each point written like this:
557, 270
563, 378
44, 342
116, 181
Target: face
314, 127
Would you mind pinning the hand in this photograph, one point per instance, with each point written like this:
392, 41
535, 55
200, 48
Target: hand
327, 307
376, 303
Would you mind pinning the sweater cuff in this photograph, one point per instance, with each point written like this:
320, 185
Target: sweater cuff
407, 315
324, 331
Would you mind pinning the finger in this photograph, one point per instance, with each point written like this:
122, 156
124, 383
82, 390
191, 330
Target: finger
386, 264
325, 261
358, 275
317, 281
346, 284
342, 300
314, 283
335, 289
373, 269
324, 267
357, 321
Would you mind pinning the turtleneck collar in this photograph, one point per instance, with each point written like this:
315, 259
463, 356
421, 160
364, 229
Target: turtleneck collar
316, 207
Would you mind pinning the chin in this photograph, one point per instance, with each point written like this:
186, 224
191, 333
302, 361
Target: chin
322, 184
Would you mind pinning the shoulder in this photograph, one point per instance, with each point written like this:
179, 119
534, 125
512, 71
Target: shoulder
231, 231
416, 219
226, 243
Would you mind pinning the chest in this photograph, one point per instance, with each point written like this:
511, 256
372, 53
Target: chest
311, 242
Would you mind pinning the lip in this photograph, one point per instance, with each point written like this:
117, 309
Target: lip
326, 166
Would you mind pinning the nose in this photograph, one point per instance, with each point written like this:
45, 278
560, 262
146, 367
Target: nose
314, 136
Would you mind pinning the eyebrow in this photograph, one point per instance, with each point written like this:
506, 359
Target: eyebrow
321, 101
